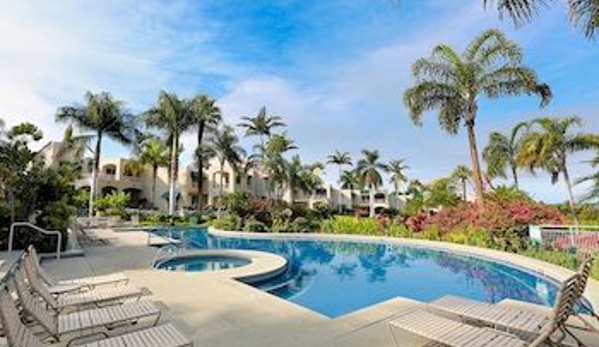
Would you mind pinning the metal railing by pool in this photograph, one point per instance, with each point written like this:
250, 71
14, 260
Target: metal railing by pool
56, 233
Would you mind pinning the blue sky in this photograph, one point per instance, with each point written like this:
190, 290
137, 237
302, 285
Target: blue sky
334, 70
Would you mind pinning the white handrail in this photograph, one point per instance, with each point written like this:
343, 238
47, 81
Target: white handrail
36, 228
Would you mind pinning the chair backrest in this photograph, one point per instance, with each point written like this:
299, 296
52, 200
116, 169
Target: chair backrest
36, 308
16, 332
37, 286
33, 257
585, 272
562, 309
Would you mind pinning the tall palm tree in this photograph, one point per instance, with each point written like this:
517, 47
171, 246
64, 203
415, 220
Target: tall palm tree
205, 115
369, 170
104, 116
172, 116
339, 159
300, 178
397, 169
226, 148
548, 145
453, 84
348, 180
501, 152
462, 174
593, 179
274, 161
583, 13
261, 125
155, 154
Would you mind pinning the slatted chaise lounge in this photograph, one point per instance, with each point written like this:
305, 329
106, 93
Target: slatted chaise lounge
452, 333
519, 320
81, 321
57, 287
18, 335
98, 296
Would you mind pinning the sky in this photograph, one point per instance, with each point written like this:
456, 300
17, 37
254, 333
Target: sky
334, 70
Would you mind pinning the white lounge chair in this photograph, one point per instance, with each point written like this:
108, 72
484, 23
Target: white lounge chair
81, 321
65, 286
457, 334
18, 335
77, 300
520, 320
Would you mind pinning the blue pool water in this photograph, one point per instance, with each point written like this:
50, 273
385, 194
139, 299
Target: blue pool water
202, 263
338, 277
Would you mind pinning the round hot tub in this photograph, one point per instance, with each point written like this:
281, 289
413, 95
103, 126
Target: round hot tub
197, 263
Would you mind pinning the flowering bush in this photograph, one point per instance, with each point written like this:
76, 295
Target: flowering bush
505, 221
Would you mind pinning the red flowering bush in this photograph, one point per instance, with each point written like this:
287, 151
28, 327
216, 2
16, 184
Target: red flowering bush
505, 220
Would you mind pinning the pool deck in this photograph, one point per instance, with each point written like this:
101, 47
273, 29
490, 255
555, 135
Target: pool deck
218, 311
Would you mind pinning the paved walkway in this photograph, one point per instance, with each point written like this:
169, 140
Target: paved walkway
219, 312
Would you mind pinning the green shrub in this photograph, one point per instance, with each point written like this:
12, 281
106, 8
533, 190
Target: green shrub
227, 222
352, 225
398, 230
301, 225
479, 238
253, 225
431, 233
114, 204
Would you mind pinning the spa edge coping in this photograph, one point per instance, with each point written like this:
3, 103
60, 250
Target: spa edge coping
549, 271
262, 265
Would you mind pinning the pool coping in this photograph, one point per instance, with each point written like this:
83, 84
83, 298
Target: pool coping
262, 266
547, 270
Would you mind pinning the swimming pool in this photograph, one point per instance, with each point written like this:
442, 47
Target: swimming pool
338, 277
202, 263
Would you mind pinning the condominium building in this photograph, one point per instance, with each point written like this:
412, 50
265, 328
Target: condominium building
125, 175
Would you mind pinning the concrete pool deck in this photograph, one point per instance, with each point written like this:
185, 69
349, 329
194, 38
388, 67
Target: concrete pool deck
218, 311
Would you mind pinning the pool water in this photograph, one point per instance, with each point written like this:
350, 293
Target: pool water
338, 277
202, 263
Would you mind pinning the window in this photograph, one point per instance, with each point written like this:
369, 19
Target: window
238, 180
249, 180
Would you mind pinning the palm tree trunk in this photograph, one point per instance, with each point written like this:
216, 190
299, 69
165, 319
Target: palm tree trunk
154, 175
339, 206
515, 175
221, 192
570, 192
94, 179
478, 178
464, 190
173, 175
200, 167
371, 201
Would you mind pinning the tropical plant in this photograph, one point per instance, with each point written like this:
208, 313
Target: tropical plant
226, 148
583, 13
454, 83
155, 154
340, 159
205, 115
501, 153
348, 180
103, 116
592, 194
172, 117
262, 126
300, 178
397, 169
273, 160
549, 143
369, 169
114, 204
462, 174
441, 193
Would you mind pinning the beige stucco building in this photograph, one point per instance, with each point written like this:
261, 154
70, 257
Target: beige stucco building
123, 175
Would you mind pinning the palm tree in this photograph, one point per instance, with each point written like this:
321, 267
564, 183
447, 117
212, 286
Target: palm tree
502, 151
226, 148
105, 117
261, 125
462, 174
348, 180
340, 159
397, 169
274, 161
300, 178
548, 144
171, 116
583, 13
593, 179
453, 84
205, 115
154, 153
369, 170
